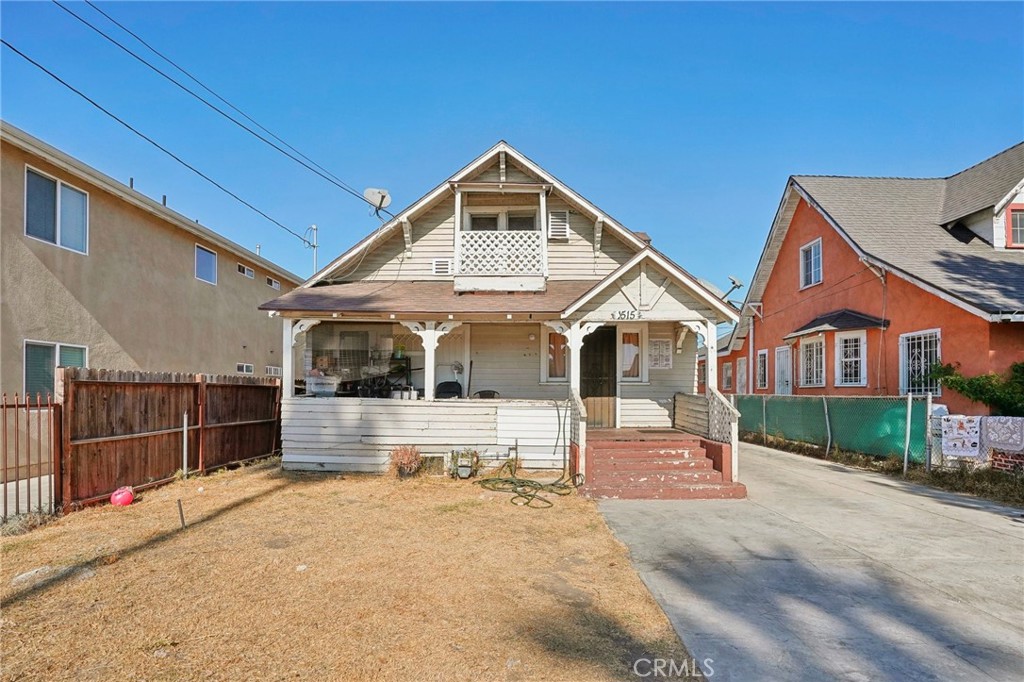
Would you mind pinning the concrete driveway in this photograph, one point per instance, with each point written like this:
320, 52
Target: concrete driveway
827, 572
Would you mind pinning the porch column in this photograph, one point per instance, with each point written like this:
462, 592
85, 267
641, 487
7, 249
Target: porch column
430, 334
287, 362
574, 337
711, 344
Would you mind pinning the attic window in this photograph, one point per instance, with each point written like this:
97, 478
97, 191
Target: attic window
1016, 227
558, 225
810, 264
442, 266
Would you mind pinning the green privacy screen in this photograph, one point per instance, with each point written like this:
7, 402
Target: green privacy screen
872, 426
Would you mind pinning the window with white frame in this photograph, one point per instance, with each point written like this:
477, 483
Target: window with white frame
1016, 227
56, 212
851, 358
632, 354
501, 220
555, 357
206, 264
42, 360
919, 353
727, 376
273, 283
761, 381
272, 371
810, 264
246, 270
244, 368
741, 375
812, 362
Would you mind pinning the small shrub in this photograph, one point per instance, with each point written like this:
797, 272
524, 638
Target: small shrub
406, 460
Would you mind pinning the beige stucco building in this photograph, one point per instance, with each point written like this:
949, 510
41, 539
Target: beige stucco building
94, 273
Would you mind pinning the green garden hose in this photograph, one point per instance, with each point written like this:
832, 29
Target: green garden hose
525, 491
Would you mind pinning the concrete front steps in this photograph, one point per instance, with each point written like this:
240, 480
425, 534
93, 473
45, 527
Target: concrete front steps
662, 469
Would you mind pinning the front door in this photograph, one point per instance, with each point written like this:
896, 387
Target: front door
597, 377
783, 371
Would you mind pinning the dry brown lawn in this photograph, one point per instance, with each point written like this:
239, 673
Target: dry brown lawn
321, 576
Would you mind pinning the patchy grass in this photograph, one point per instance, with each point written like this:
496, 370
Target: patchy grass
326, 577
23, 523
983, 482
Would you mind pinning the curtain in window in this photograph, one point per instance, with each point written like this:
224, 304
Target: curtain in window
73, 211
631, 355
39, 366
41, 207
556, 356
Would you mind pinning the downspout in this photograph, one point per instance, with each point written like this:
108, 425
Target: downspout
879, 272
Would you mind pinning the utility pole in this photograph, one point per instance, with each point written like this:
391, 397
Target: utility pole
315, 268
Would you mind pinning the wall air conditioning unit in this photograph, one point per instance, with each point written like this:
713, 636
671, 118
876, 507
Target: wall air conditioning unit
558, 225
443, 267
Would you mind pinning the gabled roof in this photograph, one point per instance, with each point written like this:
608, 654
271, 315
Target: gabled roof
907, 226
838, 320
22, 140
682, 278
982, 185
466, 174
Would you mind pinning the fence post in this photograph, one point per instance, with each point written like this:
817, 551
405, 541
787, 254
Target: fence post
828, 427
764, 419
201, 414
275, 432
906, 436
184, 446
67, 411
928, 433
56, 458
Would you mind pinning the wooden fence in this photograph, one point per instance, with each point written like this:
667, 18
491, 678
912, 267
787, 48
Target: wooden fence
139, 429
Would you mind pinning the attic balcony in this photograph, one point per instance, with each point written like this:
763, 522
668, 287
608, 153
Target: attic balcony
500, 261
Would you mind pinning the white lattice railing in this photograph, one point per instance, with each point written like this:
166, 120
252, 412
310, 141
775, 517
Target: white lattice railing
501, 253
721, 417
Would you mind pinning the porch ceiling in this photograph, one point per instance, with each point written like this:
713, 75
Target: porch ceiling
435, 298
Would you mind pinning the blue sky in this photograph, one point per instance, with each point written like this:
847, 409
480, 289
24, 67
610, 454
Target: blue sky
681, 120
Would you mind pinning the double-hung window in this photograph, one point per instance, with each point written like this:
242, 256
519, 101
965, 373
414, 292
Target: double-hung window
555, 352
632, 352
1016, 228
851, 359
42, 360
919, 353
812, 362
741, 375
761, 380
501, 220
810, 264
56, 212
727, 376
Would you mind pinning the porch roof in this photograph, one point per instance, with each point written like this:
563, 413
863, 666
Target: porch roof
426, 297
838, 320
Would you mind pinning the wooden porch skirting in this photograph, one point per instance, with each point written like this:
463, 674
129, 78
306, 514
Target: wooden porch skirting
357, 434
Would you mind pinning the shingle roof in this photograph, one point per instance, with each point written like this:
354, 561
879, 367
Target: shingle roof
839, 320
899, 221
426, 297
982, 185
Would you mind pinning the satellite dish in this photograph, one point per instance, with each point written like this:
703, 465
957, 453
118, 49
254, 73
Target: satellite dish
378, 198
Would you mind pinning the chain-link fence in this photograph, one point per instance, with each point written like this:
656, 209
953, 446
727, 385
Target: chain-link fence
868, 425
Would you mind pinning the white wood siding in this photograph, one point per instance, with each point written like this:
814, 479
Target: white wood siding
652, 404
675, 303
433, 236
357, 434
506, 360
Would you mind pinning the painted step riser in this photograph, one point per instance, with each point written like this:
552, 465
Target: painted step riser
660, 445
647, 452
707, 493
649, 480
651, 465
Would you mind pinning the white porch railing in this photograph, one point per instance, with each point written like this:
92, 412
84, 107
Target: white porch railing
501, 253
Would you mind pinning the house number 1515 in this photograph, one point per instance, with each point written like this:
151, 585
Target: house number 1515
627, 315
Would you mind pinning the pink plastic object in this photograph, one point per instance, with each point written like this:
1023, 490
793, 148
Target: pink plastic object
122, 497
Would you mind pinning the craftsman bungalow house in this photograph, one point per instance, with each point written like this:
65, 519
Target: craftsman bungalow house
503, 312
865, 283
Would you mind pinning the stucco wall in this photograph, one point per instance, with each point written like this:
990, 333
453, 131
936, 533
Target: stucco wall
977, 345
133, 300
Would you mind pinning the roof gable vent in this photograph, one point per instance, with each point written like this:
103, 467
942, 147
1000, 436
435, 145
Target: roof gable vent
558, 225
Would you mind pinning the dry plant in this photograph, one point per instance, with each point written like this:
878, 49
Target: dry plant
406, 460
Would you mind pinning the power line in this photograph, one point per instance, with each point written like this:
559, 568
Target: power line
307, 163
153, 142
